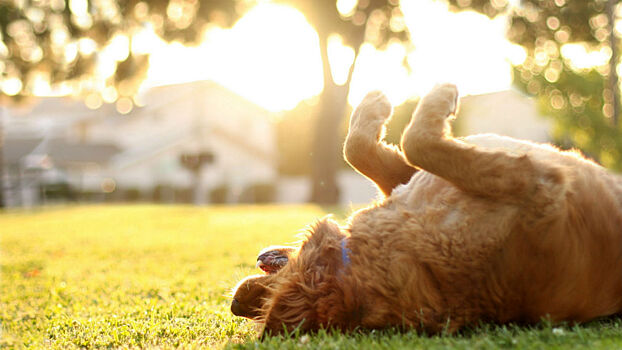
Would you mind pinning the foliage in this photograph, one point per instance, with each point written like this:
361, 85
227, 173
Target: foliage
61, 41
372, 21
159, 277
576, 103
581, 100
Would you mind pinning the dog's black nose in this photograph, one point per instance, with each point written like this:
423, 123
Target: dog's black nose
235, 308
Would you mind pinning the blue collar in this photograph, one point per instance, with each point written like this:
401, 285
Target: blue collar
345, 253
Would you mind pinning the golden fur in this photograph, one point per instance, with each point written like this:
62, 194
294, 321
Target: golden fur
481, 229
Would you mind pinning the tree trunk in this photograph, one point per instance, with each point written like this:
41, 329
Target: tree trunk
613, 84
2, 186
326, 143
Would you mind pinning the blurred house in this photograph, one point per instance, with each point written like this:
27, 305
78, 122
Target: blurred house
508, 113
193, 142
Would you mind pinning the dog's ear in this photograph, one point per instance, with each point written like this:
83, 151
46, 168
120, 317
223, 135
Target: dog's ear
322, 246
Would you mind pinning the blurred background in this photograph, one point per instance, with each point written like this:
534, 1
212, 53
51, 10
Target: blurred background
246, 101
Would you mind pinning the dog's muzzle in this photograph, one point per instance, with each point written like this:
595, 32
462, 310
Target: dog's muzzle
235, 308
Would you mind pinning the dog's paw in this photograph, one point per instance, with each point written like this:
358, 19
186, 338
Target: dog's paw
369, 117
375, 105
443, 98
272, 259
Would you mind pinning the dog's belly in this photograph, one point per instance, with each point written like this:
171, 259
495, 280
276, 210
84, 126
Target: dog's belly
442, 208
450, 222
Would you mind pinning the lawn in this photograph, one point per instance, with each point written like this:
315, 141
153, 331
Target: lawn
159, 277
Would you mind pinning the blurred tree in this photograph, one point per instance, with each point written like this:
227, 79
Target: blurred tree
376, 22
582, 99
2, 182
56, 40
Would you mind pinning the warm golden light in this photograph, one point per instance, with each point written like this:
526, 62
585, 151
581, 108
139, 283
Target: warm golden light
87, 46
108, 185
516, 54
124, 105
380, 70
79, 7
119, 48
11, 86
38, 83
582, 58
341, 58
346, 7
93, 101
145, 41
109, 94
271, 55
464, 48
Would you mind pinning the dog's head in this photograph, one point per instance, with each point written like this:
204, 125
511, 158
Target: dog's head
312, 291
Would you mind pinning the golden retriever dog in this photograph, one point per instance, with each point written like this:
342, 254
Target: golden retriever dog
485, 228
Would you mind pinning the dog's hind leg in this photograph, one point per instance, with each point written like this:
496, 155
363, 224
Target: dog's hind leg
427, 143
365, 150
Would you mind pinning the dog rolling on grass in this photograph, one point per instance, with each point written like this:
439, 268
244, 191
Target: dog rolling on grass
485, 228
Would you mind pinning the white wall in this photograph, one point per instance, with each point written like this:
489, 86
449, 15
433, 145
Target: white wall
508, 113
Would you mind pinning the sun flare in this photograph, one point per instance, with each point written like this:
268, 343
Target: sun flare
271, 57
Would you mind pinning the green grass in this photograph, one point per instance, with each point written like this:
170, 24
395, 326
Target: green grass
159, 277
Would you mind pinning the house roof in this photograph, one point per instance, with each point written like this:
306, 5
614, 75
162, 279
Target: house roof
15, 149
205, 85
65, 152
65, 112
